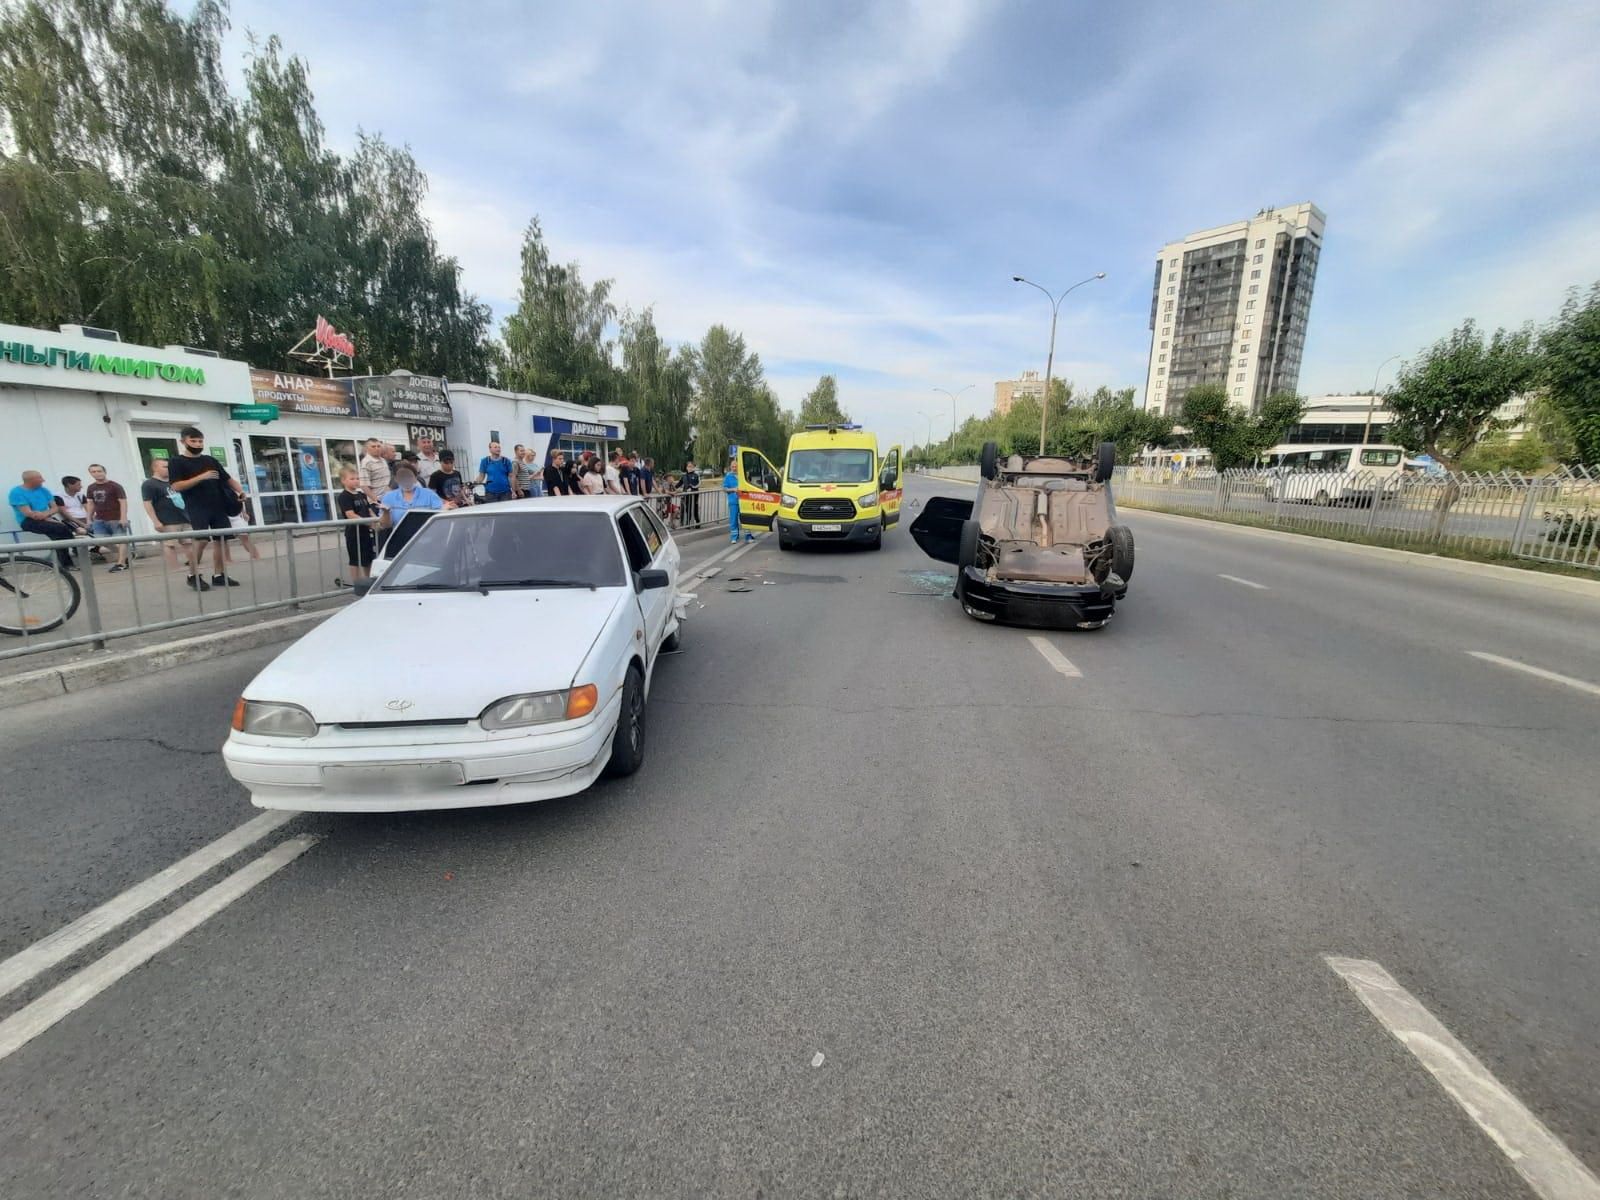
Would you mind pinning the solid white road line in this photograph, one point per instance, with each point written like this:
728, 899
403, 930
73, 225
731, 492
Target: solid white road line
1552, 1171
1261, 587
1582, 686
1055, 658
69, 939
77, 990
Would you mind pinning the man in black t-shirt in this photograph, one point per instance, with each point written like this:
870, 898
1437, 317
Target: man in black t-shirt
555, 475
691, 497
449, 485
203, 483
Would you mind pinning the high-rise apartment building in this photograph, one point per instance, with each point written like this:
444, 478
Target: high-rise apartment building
1230, 307
1007, 391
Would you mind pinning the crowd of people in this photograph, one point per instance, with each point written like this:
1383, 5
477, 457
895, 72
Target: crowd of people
189, 491
193, 491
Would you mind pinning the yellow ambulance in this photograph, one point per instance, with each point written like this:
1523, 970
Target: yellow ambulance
834, 487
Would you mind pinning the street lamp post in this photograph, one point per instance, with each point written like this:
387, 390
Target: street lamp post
953, 395
927, 444
1049, 362
1372, 396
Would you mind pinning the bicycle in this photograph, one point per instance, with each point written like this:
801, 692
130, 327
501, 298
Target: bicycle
35, 597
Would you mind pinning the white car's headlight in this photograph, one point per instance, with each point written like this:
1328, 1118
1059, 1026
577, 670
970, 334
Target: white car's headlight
272, 719
789, 501
870, 500
537, 708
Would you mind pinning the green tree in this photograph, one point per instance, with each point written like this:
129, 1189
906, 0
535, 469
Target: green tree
727, 378
137, 192
1446, 400
1498, 452
1570, 372
1236, 437
657, 387
555, 341
820, 406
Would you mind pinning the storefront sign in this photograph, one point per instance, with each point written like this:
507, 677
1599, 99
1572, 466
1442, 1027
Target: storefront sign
26, 354
303, 393
420, 398
415, 433
590, 429
330, 338
253, 412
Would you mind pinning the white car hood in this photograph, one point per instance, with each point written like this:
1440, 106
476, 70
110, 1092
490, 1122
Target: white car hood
417, 657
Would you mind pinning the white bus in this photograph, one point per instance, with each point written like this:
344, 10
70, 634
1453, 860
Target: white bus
1333, 474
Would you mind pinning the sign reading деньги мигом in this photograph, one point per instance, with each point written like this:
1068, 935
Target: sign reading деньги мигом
26, 354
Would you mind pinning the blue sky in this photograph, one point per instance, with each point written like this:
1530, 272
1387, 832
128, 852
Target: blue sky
852, 185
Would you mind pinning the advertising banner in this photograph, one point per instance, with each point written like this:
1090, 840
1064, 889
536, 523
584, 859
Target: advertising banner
303, 393
422, 399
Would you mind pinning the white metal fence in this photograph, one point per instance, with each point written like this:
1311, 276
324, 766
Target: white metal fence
1550, 518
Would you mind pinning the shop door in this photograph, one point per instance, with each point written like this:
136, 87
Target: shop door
152, 448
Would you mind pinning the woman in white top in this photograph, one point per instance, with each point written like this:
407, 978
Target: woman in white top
592, 480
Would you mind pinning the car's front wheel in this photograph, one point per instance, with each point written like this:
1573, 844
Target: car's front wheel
627, 744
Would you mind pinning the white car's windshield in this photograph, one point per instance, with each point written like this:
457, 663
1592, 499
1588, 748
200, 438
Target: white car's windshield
830, 466
510, 550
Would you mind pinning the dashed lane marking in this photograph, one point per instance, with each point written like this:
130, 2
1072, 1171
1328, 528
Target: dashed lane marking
1541, 1158
77, 990
1260, 587
1055, 658
28, 964
1540, 672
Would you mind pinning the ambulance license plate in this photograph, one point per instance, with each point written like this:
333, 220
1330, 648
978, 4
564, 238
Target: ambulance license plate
827, 529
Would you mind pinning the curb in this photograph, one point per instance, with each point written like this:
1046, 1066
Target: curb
1454, 566
80, 676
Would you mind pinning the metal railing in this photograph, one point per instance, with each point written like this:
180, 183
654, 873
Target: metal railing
702, 509
44, 606
1550, 518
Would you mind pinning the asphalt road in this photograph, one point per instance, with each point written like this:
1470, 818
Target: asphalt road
895, 907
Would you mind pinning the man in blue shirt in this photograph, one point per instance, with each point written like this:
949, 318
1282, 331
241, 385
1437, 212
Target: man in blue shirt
37, 512
406, 495
494, 472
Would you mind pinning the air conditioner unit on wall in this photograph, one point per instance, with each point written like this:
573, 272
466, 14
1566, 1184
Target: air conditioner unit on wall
89, 331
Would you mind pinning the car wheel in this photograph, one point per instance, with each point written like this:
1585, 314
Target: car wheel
673, 642
1122, 551
784, 543
1105, 461
1322, 499
967, 554
989, 460
877, 541
627, 744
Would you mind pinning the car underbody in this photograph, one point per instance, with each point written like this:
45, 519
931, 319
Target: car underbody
1040, 546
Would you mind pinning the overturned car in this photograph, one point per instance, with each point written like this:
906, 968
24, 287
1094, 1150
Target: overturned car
1039, 546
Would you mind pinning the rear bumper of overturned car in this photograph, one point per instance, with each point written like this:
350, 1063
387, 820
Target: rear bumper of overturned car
1036, 605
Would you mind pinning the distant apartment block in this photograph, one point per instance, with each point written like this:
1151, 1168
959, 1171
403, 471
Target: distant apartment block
1008, 391
1230, 305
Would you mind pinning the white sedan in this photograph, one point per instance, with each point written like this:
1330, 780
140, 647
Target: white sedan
504, 656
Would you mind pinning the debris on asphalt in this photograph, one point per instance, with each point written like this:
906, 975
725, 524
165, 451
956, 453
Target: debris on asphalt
740, 589
817, 1060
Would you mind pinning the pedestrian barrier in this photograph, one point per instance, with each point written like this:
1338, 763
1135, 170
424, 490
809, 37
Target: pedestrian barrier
47, 607
1550, 518
44, 607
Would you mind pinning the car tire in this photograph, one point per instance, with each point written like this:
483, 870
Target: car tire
1122, 551
1105, 461
673, 642
784, 543
1321, 500
877, 541
989, 460
967, 553
627, 744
